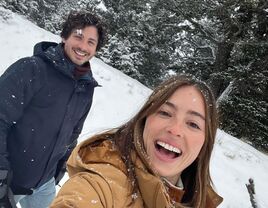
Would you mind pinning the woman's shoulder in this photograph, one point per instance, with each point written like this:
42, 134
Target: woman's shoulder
101, 183
97, 174
99, 158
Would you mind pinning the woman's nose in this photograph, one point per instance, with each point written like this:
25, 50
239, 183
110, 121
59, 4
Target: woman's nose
175, 128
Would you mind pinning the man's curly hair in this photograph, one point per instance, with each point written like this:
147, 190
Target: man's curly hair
80, 20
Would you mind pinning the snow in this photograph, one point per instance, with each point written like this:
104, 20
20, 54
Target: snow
233, 161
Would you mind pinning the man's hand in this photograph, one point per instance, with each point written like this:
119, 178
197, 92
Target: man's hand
6, 196
61, 169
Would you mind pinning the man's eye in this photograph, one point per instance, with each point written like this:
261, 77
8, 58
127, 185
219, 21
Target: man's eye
91, 43
78, 37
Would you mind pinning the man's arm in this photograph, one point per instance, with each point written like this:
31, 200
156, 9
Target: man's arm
18, 84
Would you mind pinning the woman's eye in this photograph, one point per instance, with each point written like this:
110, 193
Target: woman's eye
194, 125
164, 113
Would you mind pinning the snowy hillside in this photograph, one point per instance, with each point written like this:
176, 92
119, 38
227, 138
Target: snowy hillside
233, 163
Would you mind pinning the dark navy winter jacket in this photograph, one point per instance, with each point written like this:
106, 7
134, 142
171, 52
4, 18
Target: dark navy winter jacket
42, 111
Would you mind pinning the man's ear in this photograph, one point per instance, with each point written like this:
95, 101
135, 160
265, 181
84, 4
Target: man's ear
63, 40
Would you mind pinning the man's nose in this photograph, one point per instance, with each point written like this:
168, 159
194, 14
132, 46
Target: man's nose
83, 45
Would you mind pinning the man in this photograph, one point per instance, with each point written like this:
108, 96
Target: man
44, 102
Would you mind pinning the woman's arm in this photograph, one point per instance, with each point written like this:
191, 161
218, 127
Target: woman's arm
84, 190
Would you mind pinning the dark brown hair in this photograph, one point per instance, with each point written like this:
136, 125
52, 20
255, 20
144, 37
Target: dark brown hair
80, 20
195, 177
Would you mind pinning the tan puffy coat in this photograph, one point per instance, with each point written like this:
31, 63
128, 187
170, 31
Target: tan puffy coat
98, 179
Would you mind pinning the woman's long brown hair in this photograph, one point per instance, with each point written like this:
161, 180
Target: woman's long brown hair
195, 177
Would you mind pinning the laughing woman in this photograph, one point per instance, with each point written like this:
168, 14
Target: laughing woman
159, 159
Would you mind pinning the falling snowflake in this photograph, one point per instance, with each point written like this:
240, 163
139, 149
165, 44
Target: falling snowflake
94, 201
134, 196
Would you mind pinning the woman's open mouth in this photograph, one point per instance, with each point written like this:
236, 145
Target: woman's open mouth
167, 150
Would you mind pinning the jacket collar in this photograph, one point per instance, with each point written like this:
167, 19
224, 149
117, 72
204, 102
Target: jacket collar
163, 189
154, 191
54, 54
159, 193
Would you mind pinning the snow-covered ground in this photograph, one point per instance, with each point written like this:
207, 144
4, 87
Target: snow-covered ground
233, 161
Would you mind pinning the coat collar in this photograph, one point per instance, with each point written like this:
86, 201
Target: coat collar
155, 192
173, 193
159, 193
54, 54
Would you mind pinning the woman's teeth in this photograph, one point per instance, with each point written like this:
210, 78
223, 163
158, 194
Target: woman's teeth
169, 147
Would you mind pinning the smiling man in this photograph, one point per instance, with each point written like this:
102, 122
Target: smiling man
44, 102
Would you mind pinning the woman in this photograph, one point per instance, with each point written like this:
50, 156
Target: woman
159, 159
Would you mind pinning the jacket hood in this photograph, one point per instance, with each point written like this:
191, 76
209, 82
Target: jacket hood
54, 54
91, 151
41, 47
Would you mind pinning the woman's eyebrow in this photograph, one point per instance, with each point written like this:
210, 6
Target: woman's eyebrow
171, 105
195, 113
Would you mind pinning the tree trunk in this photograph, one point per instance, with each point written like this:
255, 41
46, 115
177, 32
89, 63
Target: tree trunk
221, 64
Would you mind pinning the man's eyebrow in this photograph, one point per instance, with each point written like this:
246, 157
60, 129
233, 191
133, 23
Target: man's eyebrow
93, 39
77, 32
189, 112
